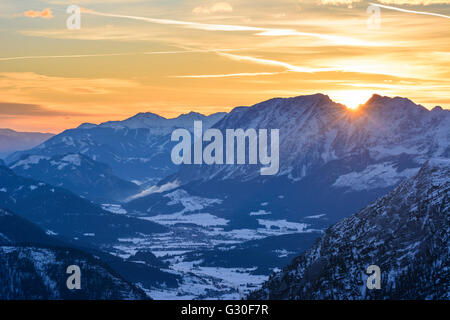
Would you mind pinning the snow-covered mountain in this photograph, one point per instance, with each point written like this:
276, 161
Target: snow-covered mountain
221, 230
77, 173
33, 266
405, 233
136, 149
315, 131
62, 212
158, 125
12, 141
333, 161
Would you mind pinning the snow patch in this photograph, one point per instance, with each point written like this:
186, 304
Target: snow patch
155, 189
200, 219
189, 202
374, 176
260, 213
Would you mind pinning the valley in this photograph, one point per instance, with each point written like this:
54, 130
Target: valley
215, 263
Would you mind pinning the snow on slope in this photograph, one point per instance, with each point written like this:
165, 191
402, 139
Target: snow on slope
405, 233
391, 136
159, 125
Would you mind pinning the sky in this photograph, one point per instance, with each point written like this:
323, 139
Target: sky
172, 57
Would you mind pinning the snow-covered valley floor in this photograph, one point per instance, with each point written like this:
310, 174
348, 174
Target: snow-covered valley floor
189, 233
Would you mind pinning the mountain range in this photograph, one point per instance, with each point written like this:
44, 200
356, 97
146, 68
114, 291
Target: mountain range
137, 149
12, 141
405, 234
77, 173
212, 231
333, 160
62, 212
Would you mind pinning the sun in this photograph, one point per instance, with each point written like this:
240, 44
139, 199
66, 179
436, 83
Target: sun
352, 99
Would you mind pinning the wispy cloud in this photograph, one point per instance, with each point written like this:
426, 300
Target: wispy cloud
411, 11
73, 56
45, 14
359, 69
276, 63
394, 2
30, 81
32, 110
64, 56
229, 75
415, 2
339, 2
219, 7
260, 31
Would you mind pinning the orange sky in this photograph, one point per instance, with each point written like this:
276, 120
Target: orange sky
171, 57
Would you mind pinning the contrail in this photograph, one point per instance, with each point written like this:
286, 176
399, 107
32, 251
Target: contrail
113, 54
267, 62
67, 56
227, 75
236, 28
411, 11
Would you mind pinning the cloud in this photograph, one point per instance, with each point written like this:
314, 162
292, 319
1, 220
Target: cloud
395, 2
74, 56
415, 2
219, 7
29, 81
288, 68
65, 56
266, 62
339, 2
411, 11
45, 14
259, 31
67, 2
229, 75
24, 109
275, 63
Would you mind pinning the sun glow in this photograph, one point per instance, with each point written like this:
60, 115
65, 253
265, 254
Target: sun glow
352, 99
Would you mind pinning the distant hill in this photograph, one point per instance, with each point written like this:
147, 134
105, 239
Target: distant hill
60, 211
137, 149
77, 173
12, 141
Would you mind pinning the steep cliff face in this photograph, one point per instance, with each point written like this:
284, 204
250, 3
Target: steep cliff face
405, 233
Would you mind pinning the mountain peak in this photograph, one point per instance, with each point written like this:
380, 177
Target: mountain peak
378, 101
394, 108
86, 125
437, 109
146, 115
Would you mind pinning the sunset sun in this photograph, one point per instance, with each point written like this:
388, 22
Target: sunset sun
352, 99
